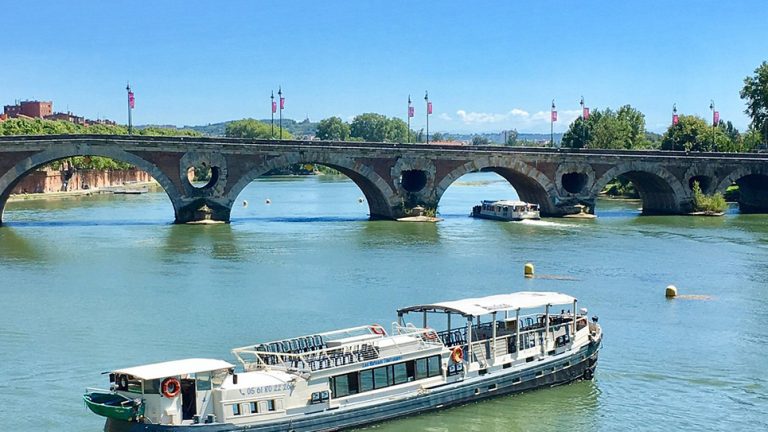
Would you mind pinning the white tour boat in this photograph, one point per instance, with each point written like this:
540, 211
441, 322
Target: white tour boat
506, 210
463, 351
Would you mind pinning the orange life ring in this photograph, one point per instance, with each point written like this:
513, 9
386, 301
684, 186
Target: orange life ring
377, 329
170, 387
457, 354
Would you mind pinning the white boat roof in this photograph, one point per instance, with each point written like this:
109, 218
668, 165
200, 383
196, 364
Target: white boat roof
174, 368
502, 302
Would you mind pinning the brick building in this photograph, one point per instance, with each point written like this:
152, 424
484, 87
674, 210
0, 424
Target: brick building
34, 109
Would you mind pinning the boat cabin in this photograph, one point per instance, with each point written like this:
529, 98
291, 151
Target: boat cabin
173, 392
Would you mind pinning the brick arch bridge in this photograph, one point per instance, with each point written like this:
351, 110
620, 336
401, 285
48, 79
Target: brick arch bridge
396, 177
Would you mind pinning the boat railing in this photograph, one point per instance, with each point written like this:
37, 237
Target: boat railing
255, 359
427, 336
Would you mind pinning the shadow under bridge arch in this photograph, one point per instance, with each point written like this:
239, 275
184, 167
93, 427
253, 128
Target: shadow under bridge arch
660, 191
382, 202
10, 179
531, 185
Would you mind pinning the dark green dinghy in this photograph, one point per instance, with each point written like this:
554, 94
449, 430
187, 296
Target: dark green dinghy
114, 406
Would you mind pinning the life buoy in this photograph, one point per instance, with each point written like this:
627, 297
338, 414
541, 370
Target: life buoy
377, 329
431, 335
457, 354
170, 387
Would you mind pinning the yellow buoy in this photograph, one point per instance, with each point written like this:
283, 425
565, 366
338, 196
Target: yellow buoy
268, 201
528, 270
245, 203
671, 291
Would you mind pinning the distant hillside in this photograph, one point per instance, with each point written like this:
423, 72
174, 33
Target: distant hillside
498, 137
298, 129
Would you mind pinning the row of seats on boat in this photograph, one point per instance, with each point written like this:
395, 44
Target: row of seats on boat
317, 361
294, 346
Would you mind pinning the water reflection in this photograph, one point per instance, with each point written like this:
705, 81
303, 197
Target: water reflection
15, 247
216, 240
391, 233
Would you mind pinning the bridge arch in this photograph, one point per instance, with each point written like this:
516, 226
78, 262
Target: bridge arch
531, 184
660, 191
13, 176
382, 201
753, 187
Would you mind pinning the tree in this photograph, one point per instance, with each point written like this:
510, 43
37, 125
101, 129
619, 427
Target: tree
333, 129
511, 137
379, 128
577, 134
254, 129
755, 92
692, 133
622, 129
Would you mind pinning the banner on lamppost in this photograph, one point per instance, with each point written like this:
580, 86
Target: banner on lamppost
410, 111
282, 102
131, 100
554, 115
274, 107
585, 113
429, 107
675, 119
715, 118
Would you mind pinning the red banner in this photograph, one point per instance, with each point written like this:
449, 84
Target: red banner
675, 119
554, 116
429, 107
410, 111
131, 100
274, 107
585, 113
282, 103
715, 118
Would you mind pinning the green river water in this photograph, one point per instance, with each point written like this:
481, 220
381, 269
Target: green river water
104, 282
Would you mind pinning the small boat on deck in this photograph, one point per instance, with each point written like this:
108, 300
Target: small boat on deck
464, 351
506, 210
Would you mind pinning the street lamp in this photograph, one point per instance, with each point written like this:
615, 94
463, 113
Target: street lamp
272, 121
282, 103
410, 114
714, 122
429, 111
552, 120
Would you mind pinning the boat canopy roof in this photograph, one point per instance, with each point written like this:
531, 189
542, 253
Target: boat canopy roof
176, 367
473, 307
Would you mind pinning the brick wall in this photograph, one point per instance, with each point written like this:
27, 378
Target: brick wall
52, 181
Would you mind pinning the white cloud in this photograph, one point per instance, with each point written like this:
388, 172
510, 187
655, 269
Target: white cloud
518, 118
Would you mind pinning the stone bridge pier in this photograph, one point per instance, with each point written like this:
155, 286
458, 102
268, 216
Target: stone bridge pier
397, 177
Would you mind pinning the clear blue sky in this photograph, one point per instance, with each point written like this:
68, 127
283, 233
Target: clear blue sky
488, 65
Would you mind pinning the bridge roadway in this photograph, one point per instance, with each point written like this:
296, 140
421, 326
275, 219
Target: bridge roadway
396, 177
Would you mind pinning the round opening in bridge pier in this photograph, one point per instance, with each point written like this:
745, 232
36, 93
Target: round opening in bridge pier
413, 180
574, 182
203, 176
704, 182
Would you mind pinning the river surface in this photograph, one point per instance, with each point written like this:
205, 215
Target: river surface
104, 282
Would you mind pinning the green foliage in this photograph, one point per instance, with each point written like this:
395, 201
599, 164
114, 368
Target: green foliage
755, 92
707, 203
378, 128
333, 129
621, 187
511, 137
480, 140
253, 129
623, 129
692, 133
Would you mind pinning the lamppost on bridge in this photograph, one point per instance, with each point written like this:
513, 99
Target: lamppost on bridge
584, 117
282, 105
429, 111
410, 114
272, 121
552, 120
715, 121
131, 104
675, 118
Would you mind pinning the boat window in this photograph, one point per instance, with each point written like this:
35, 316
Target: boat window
400, 373
203, 381
254, 407
271, 405
236, 409
218, 377
366, 380
434, 366
152, 386
344, 385
380, 377
421, 369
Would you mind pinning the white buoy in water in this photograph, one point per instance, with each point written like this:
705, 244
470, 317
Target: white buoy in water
671, 291
268, 201
360, 200
245, 203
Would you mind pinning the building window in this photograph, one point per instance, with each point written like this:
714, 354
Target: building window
254, 408
236, 409
271, 405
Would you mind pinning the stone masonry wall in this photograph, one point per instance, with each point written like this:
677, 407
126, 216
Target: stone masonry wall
53, 180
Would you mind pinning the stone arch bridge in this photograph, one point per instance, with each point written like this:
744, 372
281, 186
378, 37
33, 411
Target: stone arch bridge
397, 177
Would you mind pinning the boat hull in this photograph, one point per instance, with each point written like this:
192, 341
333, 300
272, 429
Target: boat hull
491, 385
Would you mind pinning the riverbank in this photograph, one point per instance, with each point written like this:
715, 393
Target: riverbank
126, 188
